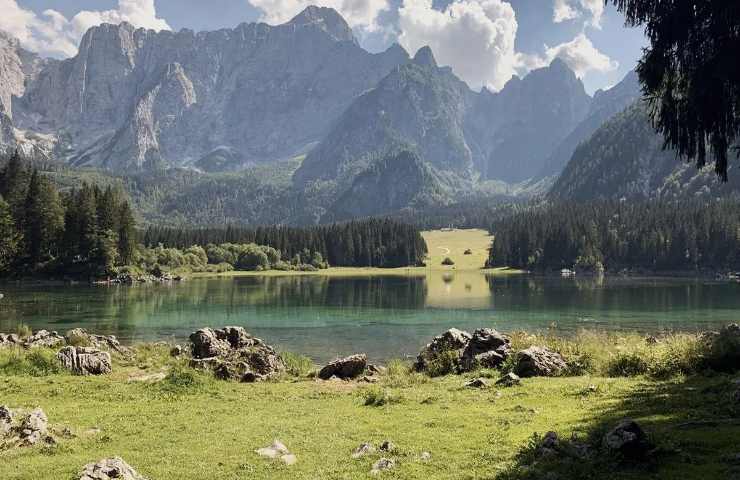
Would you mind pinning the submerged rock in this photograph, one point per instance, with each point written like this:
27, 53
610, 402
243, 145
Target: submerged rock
348, 367
233, 354
85, 360
108, 469
539, 362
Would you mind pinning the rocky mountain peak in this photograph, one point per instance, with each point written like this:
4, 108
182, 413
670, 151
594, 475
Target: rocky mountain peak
424, 57
326, 19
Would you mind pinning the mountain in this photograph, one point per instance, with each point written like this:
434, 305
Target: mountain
134, 99
417, 104
624, 158
513, 132
397, 181
604, 105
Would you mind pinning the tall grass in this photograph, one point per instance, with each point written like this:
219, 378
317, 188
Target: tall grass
38, 362
297, 365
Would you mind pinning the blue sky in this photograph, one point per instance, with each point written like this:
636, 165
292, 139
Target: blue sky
601, 52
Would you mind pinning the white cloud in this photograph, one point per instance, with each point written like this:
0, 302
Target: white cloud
358, 13
474, 37
51, 33
579, 54
564, 10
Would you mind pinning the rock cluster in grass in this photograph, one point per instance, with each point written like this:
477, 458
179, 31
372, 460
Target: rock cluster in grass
23, 430
85, 360
233, 354
79, 337
41, 338
484, 348
109, 468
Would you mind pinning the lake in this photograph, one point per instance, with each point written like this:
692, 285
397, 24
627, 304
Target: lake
385, 316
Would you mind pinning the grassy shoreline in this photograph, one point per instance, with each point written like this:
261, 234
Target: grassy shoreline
153, 407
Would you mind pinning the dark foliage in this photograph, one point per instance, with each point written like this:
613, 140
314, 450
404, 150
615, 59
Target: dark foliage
690, 73
688, 235
365, 243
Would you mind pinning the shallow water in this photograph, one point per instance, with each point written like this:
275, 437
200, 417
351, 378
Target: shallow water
387, 317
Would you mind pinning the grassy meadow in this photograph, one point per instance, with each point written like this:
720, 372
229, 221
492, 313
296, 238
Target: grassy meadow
169, 421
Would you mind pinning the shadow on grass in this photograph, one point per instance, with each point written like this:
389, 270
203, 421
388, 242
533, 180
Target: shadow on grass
692, 424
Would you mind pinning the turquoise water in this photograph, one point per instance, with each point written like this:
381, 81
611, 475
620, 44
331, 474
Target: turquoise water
387, 317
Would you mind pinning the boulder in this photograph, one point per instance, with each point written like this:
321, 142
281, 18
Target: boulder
477, 383
108, 469
348, 367
628, 439
81, 338
44, 338
9, 340
362, 450
234, 354
33, 427
85, 360
387, 446
176, 351
278, 450
539, 362
382, 465
451, 340
508, 380
486, 348
724, 348
6, 420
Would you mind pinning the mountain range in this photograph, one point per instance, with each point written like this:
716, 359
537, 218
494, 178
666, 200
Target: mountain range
299, 119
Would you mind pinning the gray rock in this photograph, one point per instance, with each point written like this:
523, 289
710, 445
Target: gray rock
509, 380
628, 439
477, 383
487, 348
362, 450
348, 367
382, 465
44, 338
387, 446
425, 456
85, 360
80, 337
108, 469
9, 340
233, 354
539, 362
176, 351
453, 340
33, 427
6, 420
278, 450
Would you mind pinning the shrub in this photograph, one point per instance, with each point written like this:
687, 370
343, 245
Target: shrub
23, 330
182, 380
377, 397
39, 362
444, 363
626, 364
297, 365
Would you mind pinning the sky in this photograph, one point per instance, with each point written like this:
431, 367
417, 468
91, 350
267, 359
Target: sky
484, 41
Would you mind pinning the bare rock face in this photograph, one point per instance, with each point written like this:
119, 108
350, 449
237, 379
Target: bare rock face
85, 360
539, 362
134, 98
44, 338
108, 469
348, 367
232, 353
627, 438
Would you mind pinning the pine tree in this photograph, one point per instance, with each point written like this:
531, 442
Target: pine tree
126, 234
44, 218
10, 238
14, 185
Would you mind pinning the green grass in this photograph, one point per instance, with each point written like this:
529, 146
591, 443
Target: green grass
190, 426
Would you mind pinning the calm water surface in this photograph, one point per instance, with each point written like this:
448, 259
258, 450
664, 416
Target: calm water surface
384, 316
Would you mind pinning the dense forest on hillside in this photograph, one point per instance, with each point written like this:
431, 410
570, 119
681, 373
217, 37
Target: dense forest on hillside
363, 243
89, 231
650, 236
